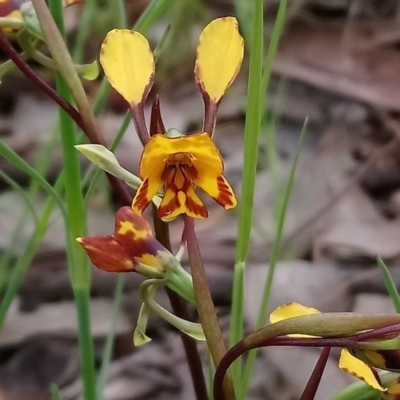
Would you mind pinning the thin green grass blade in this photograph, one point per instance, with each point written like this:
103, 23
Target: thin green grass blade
94, 173
23, 262
117, 8
244, 12
12, 248
390, 285
17, 161
88, 14
22, 192
55, 393
107, 354
252, 127
28, 209
43, 159
273, 45
78, 264
262, 314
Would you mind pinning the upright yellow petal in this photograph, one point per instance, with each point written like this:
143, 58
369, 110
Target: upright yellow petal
359, 369
128, 64
219, 56
291, 310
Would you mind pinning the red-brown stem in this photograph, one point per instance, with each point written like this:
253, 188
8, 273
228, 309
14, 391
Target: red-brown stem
180, 309
205, 306
210, 114
312, 385
357, 341
137, 112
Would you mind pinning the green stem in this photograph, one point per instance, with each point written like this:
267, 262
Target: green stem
147, 291
252, 127
79, 268
107, 353
82, 302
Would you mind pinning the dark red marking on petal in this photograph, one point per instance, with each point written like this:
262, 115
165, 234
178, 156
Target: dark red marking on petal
140, 201
195, 208
226, 196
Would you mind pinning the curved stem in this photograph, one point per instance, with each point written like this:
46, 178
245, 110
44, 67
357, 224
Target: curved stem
324, 324
147, 291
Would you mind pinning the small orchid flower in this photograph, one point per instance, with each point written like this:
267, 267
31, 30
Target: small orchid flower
170, 160
133, 247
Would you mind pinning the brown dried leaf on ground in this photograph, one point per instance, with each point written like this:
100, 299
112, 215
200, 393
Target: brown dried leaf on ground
37, 364
358, 60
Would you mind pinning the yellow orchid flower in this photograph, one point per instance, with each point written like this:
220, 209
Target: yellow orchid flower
179, 164
360, 363
175, 162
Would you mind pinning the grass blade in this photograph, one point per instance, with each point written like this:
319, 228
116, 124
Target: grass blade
17, 161
102, 379
274, 258
390, 285
252, 127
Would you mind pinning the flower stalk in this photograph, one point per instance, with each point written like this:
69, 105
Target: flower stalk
180, 309
205, 305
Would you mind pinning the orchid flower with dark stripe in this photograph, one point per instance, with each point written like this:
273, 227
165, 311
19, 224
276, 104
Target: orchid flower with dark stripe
175, 163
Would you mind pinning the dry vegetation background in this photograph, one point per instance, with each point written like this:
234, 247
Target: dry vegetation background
339, 65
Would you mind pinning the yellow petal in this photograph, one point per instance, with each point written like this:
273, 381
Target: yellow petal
216, 187
219, 56
394, 388
291, 310
360, 370
194, 206
128, 64
148, 189
200, 145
